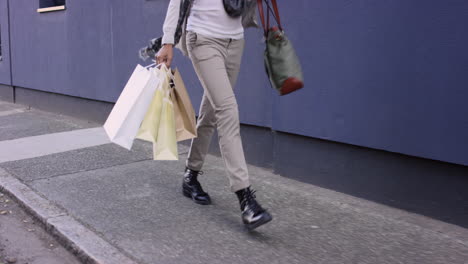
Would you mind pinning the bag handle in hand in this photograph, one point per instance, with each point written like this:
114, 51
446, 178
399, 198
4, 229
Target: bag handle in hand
155, 65
266, 24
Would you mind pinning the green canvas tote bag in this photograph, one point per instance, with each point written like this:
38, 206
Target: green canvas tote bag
281, 62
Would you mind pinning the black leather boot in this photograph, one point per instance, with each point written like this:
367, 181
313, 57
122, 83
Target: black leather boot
191, 188
253, 215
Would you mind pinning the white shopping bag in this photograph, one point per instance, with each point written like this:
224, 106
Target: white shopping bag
125, 119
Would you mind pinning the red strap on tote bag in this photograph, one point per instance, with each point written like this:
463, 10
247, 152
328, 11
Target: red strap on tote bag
266, 24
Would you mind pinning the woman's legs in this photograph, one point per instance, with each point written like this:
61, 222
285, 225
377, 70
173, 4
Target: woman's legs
206, 126
217, 62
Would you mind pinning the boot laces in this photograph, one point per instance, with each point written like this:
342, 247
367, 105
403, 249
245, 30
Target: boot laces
193, 181
249, 199
194, 174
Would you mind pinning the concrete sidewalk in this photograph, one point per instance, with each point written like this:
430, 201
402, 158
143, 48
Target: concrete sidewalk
110, 205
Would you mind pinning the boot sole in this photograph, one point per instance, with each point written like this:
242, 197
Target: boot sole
188, 194
260, 222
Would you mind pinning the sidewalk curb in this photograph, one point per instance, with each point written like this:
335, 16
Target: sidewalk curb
74, 236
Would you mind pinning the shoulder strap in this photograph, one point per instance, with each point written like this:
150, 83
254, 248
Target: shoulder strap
266, 24
277, 16
262, 16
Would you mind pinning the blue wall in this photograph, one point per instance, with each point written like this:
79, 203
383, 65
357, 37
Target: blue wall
5, 73
389, 75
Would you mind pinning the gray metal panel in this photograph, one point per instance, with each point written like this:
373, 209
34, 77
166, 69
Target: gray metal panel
253, 90
90, 50
133, 24
65, 52
389, 75
86, 109
420, 186
7, 93
5, 74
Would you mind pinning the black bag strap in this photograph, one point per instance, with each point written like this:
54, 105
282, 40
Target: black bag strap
185, 6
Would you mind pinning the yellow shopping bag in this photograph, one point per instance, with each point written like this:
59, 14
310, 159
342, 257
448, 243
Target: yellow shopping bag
166, 143
149, 127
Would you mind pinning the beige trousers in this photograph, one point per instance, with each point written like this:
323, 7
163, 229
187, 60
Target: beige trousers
217, 62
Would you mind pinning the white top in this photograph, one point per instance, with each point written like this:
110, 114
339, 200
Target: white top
207, 17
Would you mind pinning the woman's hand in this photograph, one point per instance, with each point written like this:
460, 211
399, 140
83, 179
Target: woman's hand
165, 55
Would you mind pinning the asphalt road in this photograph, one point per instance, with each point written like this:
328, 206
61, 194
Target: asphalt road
23, 240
